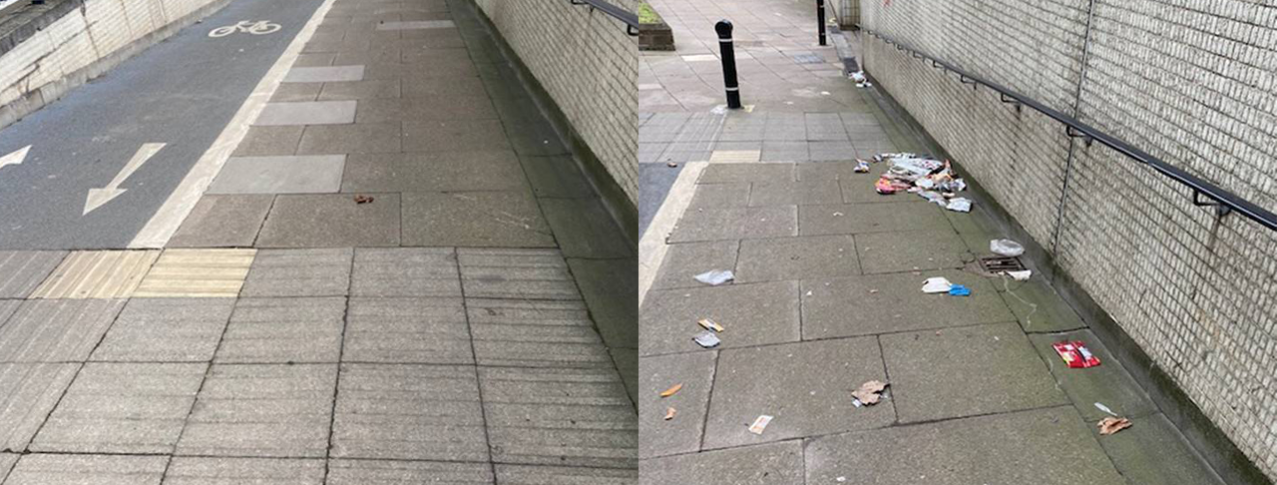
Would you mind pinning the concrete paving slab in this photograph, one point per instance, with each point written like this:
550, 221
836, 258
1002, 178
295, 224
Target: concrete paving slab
1037, 306
299, 272
720, 196
441, 87
97, 275
197, 273
730, 173
416, 25
520, 274
931, 378
756, 314
533, 475
736, 223
7, 460
770, 464
284, 330
262, 410
806, 386
806, 192
458, 136
818, 220
270, 141
407, 330
307, 113
22, 271
7, 308
585, 229
30, 393
897, 252
416, 109
874, 304
1153, 452
166, 330
317, 221
223, 221
185, 470
627, 364
684, 261
610, 288
356, 138
795, 258
364, 472
1108, 384
122, 409
474, 219
313, 174
409, 412
55, 469
293, 93
324, 74
360, 91
405, 272
560, 417
56, 330
682, 434
1048, 446
434, 172
557, 177
540, 346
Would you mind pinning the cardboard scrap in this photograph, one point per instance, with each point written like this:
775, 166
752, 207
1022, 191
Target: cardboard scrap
760, 424
1109, 426
710, 325
869, 392
672, 391
669, 413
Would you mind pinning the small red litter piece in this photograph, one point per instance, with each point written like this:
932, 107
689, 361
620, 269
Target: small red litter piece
1076, 355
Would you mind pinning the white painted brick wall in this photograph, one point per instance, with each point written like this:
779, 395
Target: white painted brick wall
588, 64
1192, 83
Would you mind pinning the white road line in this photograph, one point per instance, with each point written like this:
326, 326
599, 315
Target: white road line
15, 158
99, 197
183, 199
652, 246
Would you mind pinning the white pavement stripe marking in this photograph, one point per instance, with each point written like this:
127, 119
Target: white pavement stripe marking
99, 197
652, 246
165, 222
15, 158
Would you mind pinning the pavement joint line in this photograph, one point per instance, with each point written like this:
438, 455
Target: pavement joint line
169, 217
654, 244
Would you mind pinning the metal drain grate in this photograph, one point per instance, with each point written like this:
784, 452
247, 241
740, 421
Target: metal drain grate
998, 264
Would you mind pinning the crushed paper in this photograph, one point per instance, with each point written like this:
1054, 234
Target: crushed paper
869, 392
1109, 426
710, 325
669, 413
760, 424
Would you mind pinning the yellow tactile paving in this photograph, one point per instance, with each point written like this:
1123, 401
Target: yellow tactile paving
97, 275
197, 273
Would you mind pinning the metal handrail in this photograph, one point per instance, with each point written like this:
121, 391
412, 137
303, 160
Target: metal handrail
1224, 200
631, 19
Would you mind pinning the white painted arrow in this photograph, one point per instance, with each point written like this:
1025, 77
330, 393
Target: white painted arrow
99, 197
15, 158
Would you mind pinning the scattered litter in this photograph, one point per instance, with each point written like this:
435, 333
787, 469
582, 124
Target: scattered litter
1019, 275
841, 479
873, 291
959, 290
1006, 247
959, 204
936, 285
838, 214
672, 391
669, 413
861, 166
672, 164
869, 393
707, 339
860, 79
363, 199
1106, 409
760, 424
715, 277
1076, 355
1112, 425
710, 325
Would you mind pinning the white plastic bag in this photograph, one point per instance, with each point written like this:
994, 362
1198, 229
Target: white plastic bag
1006, 247
715, 277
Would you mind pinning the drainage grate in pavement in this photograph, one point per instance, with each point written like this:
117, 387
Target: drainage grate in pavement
809, 59
998, 264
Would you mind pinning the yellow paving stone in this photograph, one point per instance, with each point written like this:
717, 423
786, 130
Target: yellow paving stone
735, 156
197, 273
97, 275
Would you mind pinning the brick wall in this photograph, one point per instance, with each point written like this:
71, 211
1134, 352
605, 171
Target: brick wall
1190, 82
588, 64
42, 67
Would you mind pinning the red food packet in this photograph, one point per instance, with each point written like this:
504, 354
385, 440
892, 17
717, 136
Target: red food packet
1076, 355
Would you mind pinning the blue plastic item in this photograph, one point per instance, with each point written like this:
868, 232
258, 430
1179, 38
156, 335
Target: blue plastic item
959, 290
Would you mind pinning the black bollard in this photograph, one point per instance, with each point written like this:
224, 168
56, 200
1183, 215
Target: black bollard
820, 17
724, 29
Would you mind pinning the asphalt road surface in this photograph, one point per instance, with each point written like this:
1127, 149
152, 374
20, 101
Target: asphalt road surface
179, 94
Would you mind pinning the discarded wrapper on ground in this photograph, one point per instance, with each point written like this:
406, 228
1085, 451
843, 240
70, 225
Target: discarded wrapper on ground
1112, 425
1075, 354
869, 393
931, 179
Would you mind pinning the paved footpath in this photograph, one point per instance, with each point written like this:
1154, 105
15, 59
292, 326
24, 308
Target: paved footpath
828, 296
400, 276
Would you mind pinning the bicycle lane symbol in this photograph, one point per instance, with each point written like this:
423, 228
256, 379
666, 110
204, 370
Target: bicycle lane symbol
255, 27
